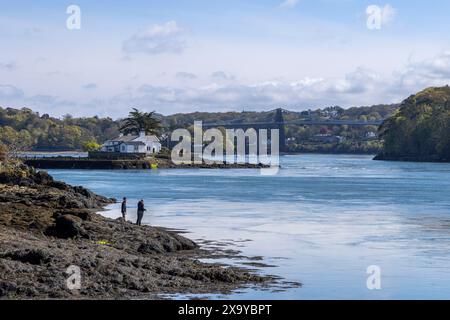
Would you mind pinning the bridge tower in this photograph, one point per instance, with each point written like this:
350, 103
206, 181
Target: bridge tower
279, 120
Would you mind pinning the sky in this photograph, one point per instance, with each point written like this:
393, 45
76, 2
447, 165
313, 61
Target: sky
208, 55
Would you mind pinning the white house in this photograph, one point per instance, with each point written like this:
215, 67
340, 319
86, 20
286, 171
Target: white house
133, 144
371, 135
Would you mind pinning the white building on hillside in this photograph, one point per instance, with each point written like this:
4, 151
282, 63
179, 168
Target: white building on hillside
133, 144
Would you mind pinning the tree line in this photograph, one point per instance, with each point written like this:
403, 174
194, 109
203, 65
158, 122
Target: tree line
27, 130
420, 130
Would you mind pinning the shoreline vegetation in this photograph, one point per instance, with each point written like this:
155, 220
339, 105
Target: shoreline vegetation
420, 130
46, 226
25, 129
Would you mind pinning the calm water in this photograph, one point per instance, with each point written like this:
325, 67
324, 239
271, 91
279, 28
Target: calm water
322, 220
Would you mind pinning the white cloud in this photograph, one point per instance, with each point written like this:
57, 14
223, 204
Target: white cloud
90, 86
158, 39
362, 86
11, 96
222, 76
359, 87
289, 3
429, 72
351, 89
8, 66
10, 92
185, 76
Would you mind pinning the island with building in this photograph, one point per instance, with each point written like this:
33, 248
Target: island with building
124, 152
133, 148
138, 145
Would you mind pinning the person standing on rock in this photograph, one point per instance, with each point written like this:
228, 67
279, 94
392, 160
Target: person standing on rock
124, 208
140, 212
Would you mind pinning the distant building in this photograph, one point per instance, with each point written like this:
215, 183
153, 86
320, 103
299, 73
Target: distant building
291, 141
371, 135
141, 144
327, 138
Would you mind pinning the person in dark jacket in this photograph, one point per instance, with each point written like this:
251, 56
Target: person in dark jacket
124, 208
140, 212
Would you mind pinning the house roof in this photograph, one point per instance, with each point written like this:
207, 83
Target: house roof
134, 143
129, 138
124, 138
153, 138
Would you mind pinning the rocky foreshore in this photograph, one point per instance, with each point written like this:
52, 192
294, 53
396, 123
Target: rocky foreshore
46, 226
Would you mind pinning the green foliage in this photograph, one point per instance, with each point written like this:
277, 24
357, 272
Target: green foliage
355, 137
346, 147
138, 121
421, 127
91, 146
3, 153
24, 129
183, 120
9, 165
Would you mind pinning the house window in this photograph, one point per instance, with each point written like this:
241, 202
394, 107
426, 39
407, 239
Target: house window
136, 148
123, 148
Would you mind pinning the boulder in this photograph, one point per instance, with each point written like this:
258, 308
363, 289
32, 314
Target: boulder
163, 243
83, 214
67, 226
31, 256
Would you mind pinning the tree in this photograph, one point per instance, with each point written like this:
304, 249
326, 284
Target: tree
138, 121
421, 127
3, 153
16, 142
91, 146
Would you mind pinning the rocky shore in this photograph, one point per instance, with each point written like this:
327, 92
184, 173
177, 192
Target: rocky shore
46, 226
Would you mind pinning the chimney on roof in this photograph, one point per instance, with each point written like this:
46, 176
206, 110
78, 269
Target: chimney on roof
142, 133
120, 135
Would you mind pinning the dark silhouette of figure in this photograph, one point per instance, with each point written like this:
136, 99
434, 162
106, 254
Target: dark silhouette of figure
140, 212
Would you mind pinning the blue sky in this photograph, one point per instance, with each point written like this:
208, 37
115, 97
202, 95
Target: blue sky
197, 55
